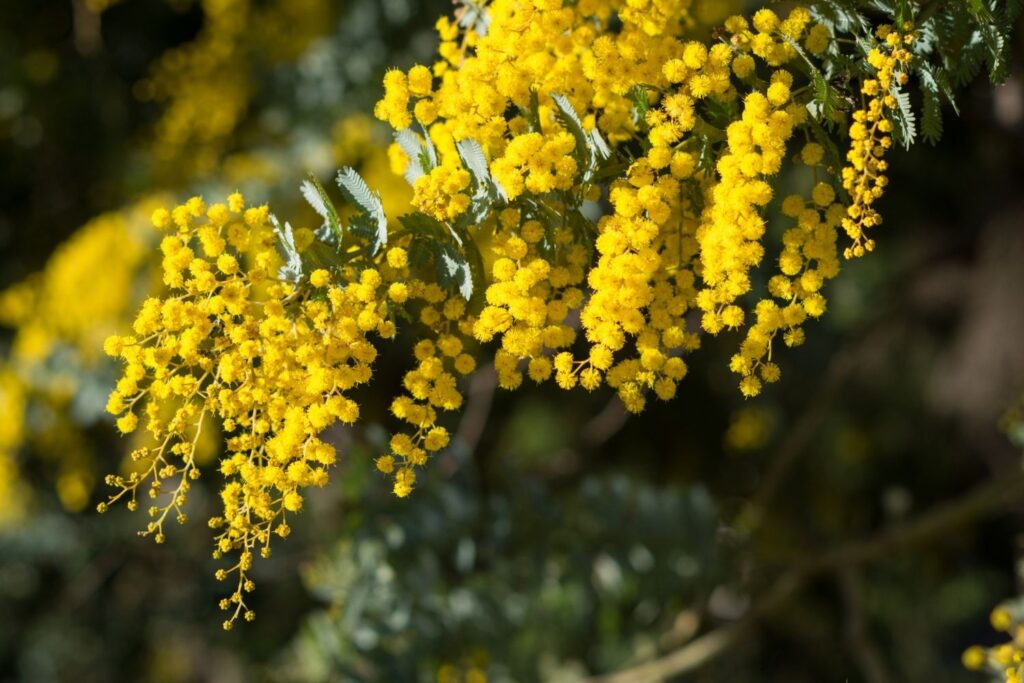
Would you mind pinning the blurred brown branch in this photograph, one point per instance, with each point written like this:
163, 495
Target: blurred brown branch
86, 24
858, 640
982, 501
800, 436
480, 395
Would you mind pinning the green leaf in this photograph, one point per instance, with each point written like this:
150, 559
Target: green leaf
570, 119
934, 85
591, 149
316, 196
979, 10
291, 270
486, 190
472, 155
453, 270
473, 16
839, 17
998, 56
641, 103
604, 152
904, 120
935, 79
419, 224
433, 241
370, 223
931, 117
413, 148
471, 287
421, 153
826, 102
904, 11
429, 150
533, 115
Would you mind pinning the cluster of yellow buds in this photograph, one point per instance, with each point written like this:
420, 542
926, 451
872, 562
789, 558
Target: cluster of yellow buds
234, 348
871, 136
591, 187
1005, 661
688, 226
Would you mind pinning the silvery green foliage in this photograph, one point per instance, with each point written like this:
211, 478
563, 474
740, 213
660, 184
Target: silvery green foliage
591, 149
315, 194
291, 269
473, 14
486, 191
416, 148
520, 573
370, 222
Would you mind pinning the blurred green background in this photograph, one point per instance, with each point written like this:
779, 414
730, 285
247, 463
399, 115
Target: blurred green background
556, 539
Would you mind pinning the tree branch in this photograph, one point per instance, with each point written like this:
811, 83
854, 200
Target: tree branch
858, 641
799, 437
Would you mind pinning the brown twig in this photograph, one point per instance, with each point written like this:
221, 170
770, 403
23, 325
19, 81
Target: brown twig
86, 26
799, 437
606, 424
479, 397
864, 651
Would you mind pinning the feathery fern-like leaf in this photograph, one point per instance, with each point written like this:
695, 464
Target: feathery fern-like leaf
372, 224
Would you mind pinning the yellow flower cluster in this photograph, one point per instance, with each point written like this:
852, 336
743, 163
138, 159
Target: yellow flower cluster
871, 136
39, 307
205, 86
642, 288
440, 192
686, 232
591, 196
536, 164
60, 317
12, 407
1004, 661
432, 385
534, 48
272, 365
530, 300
